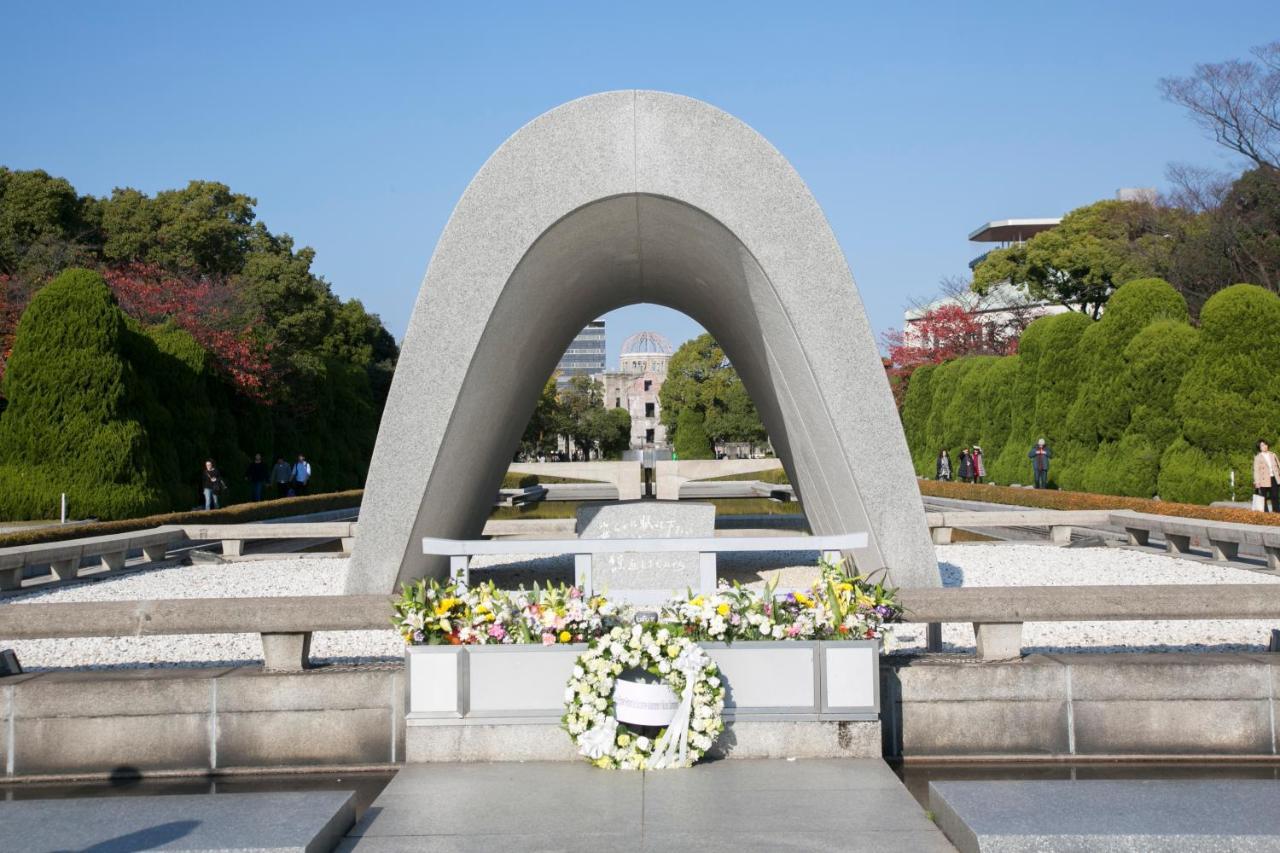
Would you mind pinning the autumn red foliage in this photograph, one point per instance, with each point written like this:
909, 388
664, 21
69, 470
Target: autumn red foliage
941, 334
211, 310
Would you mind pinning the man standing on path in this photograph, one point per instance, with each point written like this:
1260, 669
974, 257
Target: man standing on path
281, 474
256, 474
301, 475
1040, 456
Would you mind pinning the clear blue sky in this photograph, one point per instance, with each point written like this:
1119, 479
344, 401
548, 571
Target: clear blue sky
358, 128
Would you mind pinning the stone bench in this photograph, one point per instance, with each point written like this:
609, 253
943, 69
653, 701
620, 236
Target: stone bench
998, 613
234, 536
518, 497
65, 558
1059, 522
1224, 538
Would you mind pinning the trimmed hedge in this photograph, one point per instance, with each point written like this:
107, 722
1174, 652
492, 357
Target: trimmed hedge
1050, 499
1101, 409
284, 507
71, 423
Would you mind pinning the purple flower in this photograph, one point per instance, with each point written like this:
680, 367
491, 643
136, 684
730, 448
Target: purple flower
418, 636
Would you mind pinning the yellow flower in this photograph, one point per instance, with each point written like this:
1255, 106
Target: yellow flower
845, 587
723, 609
673, 651
445, 606
604, 762
804, 599
565, 636
623, 740
696, 601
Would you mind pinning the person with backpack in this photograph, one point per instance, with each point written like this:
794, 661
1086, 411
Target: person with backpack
212, 484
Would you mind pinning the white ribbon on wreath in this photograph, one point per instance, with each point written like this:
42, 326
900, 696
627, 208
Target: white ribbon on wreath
597, 741
672, 749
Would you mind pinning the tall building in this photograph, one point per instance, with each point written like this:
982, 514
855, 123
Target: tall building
585, 356
635, 386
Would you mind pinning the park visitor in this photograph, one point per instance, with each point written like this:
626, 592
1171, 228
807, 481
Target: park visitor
301, 475
944, 466
211, 483
979, 466
256, 474
281, 474
1266, 479
1040, 456
966, 466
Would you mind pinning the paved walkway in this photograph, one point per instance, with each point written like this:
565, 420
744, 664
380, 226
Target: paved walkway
739, 805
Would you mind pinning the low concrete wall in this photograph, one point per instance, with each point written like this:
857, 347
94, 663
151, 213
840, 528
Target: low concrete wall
197, 721
623, 475
1083, 705
672, 474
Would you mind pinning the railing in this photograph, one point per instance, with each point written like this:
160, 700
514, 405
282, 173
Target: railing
286, 623
461, 551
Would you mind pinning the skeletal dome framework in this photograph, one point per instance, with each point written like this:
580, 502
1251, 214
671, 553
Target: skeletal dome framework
612, 200
647, 343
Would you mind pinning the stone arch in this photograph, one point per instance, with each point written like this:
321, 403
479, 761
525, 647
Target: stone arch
610, 200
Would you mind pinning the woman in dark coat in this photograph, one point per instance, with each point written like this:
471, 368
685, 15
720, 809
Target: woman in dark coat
966, 466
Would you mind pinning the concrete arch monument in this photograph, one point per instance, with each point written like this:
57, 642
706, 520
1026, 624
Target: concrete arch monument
610, 200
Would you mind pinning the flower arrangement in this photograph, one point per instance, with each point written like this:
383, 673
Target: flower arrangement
840, 606
590, 707
432, 613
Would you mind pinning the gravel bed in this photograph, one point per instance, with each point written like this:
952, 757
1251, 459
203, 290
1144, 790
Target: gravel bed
961, 565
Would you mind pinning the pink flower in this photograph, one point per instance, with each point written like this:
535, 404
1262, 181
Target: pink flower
497, 632
548, 639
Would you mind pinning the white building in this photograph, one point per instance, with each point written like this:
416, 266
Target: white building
635, 386
1004, 306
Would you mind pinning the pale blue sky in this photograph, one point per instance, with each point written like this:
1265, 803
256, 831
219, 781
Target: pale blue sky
357, 126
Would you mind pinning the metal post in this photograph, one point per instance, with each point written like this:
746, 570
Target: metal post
64, 508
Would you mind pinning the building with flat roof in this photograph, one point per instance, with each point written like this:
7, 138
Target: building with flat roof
585, 356
1004, 310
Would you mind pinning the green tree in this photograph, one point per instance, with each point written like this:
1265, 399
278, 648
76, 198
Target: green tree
544, 424
71, 424
44, 225
691, 440
699, 376
1155, 362
203, 228
1231, 395
1101, 409
915, 419
1086, 257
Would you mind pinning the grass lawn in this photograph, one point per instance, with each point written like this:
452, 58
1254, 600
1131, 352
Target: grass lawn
724, 506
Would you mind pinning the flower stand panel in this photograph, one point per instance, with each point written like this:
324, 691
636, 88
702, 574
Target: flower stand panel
766, 681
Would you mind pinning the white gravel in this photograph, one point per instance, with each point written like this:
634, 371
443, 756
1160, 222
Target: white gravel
961, 565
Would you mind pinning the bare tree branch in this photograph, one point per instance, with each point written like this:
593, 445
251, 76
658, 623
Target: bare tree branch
1236, 101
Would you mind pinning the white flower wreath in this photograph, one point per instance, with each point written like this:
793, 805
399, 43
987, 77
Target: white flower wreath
681, 664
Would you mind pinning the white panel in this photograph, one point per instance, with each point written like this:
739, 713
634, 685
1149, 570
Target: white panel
767, 676
520, 680
851, 674
433, 682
